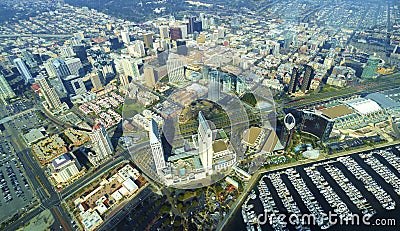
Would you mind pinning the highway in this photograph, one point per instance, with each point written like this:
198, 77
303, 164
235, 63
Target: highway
370, 86
36, 35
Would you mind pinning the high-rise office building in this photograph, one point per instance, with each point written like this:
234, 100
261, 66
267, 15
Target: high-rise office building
130, 68
308, 76
164, 32
184, 30
29, 58
23, 70
74, 85
221, 32
204, 21
101, 144
66, 51
80, 52
162, 56
53, 102
150, 76
214, 88
176, 69
275, 48
148, 40
197, 26
175, 33
75, 41
115, 43
108, 70
293, 81
191, 25
137, 49
60, 68
6, 91
48, 65
205, 142
74, 66
288, 39
156, 147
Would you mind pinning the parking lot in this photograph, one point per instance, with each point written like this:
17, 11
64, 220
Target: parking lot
15, 190
15, 108
25, 121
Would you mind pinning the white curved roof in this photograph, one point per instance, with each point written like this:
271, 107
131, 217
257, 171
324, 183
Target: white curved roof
363, 106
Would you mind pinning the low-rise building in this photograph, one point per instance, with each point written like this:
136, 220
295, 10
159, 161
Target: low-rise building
253, 137
64, 168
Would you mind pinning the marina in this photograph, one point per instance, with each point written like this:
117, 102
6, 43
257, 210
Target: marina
362, 184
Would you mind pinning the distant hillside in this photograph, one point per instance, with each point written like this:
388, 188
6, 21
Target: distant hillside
132, 10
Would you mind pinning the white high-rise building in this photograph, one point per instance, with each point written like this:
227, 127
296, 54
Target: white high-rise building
23, 70
221, 32
64, 168
53, 102
101, 144
214, 88
51, 71
137, 49
164, 32
156, 147
6, 91
130, 68
184, 30
125, 36
205, 142
176, 69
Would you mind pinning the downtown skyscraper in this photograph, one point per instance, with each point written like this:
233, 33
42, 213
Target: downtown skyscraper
23, 70
101, 144
205, 140
156, 147
53, 102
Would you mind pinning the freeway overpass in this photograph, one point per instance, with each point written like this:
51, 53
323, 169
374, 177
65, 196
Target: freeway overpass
36, 35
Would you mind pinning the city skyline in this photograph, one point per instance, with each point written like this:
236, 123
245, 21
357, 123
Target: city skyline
199, 115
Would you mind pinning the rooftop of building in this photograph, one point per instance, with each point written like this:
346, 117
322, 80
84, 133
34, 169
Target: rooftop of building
363, 106
219, 146
250, 135
61, 160
337, 111
383, 100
